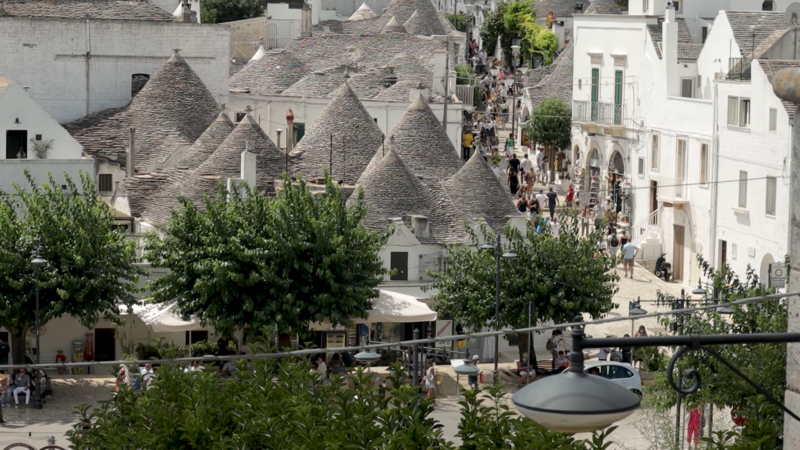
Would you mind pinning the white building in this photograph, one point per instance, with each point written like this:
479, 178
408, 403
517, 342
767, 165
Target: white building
35, 142
674, 122
78, 56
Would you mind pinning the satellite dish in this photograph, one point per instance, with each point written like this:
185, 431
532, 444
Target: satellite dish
793, 13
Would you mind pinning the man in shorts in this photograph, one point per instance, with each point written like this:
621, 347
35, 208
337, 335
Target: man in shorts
629, 252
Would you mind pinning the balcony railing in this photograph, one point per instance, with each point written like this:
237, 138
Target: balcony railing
598, 112
738, 69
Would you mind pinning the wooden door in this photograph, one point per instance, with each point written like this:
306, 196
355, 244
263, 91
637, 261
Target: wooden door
653, 196
677, 252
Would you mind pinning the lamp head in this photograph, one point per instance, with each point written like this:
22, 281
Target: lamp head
366, 357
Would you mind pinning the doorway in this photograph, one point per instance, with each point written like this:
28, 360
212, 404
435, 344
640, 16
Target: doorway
723, 256
677, 252
105, 347
653, 196
17, 144
399, 261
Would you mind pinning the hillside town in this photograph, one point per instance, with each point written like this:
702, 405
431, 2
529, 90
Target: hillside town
542, 224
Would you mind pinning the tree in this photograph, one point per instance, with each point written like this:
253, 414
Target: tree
90, 270
458, 20
284, 406
561, 277
551, 125
246, 259
493, 29
720, 386
219, 11
518, 19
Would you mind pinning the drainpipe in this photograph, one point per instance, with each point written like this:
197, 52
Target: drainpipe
712, 245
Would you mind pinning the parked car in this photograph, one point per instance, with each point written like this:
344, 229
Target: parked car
618, 372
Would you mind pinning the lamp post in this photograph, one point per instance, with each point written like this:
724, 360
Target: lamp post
37, 262
498, 255
702, 289
576, 402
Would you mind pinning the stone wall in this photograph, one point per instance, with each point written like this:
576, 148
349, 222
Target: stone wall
246, 36
48, 55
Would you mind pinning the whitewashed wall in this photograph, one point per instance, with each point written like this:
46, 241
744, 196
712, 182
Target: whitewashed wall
48, 55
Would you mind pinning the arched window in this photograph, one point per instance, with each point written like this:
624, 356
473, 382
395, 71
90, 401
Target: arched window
138, 80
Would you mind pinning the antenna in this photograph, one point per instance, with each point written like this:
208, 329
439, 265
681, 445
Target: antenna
792, 14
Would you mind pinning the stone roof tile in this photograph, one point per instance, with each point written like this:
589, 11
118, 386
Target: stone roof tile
207, 143
392, 191
272, 74
656, 34
559, 83
423, 144
561, 8
602, 7
79, 9
764, 25
404, 9
344, 129
475, 192
416, 24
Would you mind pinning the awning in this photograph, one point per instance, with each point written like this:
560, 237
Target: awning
395, 307
161, 318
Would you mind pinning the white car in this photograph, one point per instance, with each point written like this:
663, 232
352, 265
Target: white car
618, 372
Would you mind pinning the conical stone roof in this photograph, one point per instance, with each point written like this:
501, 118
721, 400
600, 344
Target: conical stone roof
479, 194
416, 25
363, 12
603, 7
226, 160
404, 9
207, 143
421, 141
393, 26
392, 191
174, 108
345, 128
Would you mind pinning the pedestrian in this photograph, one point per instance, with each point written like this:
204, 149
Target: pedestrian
61, 359
694, 424
542, 199
533, 209
540, 164
545, 174
629, 250
552, 202
526, 164
510, 144
466, 145
528, 178
554, 227
570, 196
513, 181
598, 216
513, 163
472, 380
552, 345
585, 218
522, 205
430, 383
627, 352
613, 242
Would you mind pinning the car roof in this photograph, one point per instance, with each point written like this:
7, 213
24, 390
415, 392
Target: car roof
606, 363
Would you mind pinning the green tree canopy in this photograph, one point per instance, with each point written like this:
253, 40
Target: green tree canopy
289, 261
90, 270
561, 277
284, 406
720, 386
219, 11
518, 19
551, 124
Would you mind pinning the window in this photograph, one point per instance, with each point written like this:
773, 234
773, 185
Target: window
105, 182
704, 32
16, 144
742, 189
38, 137
703, 163
654, 157
240, 116
767, 5
772, 188
687, 87
680, 167
739, 112
677, 5
595, 93
773, 119
138, 80
645, 6
618, 97
641, 166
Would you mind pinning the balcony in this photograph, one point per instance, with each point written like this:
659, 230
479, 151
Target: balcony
673, 190
738, 69
600, 113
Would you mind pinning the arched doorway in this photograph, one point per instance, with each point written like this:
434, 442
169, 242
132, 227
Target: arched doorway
763, 273
616, 179
592, 175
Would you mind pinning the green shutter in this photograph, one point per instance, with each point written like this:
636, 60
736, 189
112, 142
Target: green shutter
618, 97
595, 92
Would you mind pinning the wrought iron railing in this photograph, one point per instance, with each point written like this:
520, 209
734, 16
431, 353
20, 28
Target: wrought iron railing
738, 69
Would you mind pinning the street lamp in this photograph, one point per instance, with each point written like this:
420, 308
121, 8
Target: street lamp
498, 254
37, 262
576, 402
367, 358
702, 289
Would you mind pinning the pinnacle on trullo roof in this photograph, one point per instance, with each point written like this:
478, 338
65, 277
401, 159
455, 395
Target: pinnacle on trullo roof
363, 12
393, 26
345, 129
417, 25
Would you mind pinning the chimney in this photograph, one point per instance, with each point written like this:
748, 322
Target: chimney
248, 167
305, 21
316, 10
419, 226
130, 161
439, 62
669, 50
419, 90
186, 13
558, 29
289, 131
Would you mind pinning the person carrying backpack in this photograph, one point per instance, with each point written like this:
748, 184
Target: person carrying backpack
613, 243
